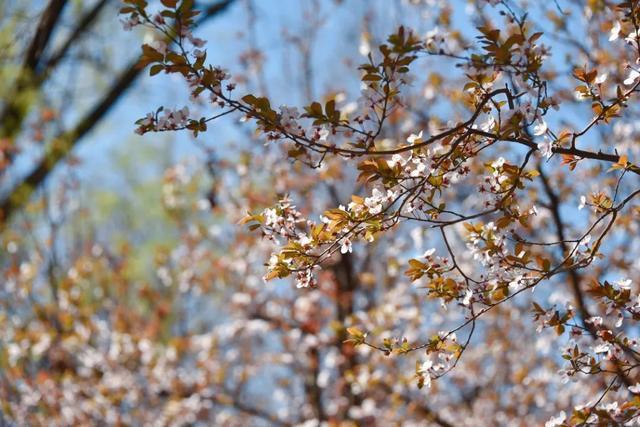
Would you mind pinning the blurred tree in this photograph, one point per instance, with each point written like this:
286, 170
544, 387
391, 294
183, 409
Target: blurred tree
37, 67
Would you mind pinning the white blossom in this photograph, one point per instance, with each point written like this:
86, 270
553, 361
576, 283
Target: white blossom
546, 147
633, 76
615, 31
557, 420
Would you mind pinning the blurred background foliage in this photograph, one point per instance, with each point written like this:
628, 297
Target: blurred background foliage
131, 296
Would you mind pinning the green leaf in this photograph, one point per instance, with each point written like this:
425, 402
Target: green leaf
155, 69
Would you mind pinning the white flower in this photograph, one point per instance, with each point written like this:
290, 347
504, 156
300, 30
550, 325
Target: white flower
288, 117
624, 283
540, 128
596, 320
620, 320
424, 369
583, 202
556, 421
396, 159
601, 78
270, 216
516, 284
602, 348
498, 163
632, 38
488, 125
346, 246
467, 297
12, 247
428, 253
635, 389
610, 407
324, 134
633, 76
546, 148
273, 261
419, 168
365, 46
374, 208
160, 46
415, 139
374, 203
304, 240
615, 31
305, 279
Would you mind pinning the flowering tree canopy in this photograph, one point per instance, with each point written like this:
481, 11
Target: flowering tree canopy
490, 184
454, 244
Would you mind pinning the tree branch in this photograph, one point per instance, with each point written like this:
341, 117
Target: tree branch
14, 113
43, 33
574, 276
82, 26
